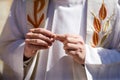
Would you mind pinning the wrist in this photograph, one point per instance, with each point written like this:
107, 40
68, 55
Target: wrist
28, 52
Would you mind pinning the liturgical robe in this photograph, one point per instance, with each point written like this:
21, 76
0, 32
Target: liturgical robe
81, 17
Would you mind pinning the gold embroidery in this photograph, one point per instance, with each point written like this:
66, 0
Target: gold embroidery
103, 12
101, 31
38, 7
96, 23
95, 39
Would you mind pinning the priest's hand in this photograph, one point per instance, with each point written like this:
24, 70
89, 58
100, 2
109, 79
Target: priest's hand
36, 39
74, 46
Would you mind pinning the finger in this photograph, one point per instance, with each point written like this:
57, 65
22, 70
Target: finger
43, 31
61, 37
69, 38
75, 55
70, 46
70, 53
36, 47
32, 49
72, 35
37, 42
74, 40
38, 36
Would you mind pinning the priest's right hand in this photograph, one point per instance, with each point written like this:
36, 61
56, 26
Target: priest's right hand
37, 39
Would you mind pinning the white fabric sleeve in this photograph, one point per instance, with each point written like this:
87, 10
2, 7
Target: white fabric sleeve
101, 55
12, 38
102, 64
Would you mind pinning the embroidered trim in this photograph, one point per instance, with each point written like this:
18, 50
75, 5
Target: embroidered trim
39, 5
100, 29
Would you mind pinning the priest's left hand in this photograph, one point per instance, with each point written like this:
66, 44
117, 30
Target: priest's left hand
74, 46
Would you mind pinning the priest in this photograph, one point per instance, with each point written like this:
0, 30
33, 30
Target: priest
63, 39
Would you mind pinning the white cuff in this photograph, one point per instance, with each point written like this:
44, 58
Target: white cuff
92, 57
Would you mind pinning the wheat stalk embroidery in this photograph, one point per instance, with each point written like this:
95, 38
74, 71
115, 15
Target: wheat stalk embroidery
99, 28
38, 7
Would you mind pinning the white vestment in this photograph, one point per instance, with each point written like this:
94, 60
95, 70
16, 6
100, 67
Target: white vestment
63, 17
6, 72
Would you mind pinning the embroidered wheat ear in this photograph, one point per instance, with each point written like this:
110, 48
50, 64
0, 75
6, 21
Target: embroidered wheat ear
100, 27
103, 11
96, 23
95, 39
38, 6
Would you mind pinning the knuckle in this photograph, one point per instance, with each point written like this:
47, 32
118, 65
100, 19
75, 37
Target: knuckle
37, 35
77, 53
35, 40
67, 39
67, 35
28, 34
79, 48
64, 47
80, 42
67, 44
40, 29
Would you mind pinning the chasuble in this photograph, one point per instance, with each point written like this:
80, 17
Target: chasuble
96, 21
